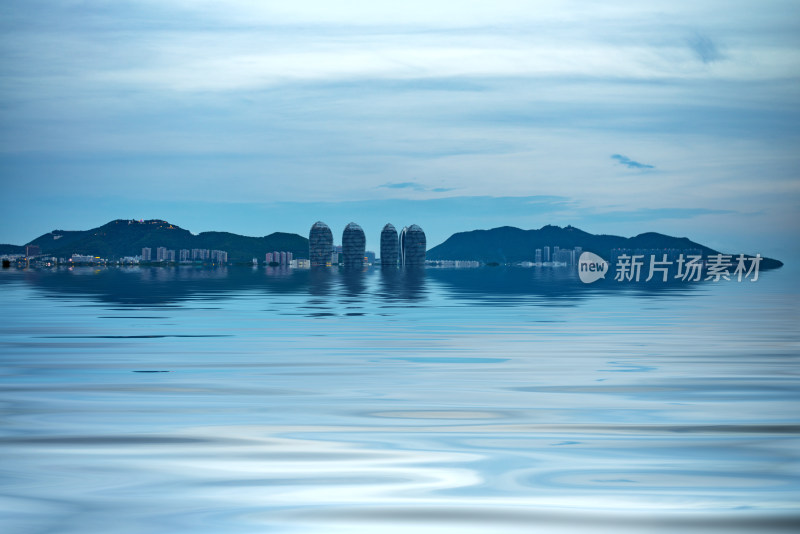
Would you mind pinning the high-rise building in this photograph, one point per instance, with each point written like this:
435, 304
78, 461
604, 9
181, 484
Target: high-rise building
147, 254
562, 256
389, 246
538, 256
161, 254
282, 261
32, 250
547, 253
412, 246
353, 246
186, 254
320, 244
269, 258
201, 254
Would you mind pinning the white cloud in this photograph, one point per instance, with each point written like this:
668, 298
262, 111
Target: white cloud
199, 61
245, 45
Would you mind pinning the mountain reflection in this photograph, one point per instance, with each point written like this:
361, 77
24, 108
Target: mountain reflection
560, 286
159, 286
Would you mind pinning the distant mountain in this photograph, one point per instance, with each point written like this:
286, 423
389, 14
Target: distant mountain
502, 245
509, 245
127, 238
11, 249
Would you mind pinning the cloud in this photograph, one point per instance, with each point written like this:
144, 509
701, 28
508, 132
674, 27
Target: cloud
625, 160
705, 49
404, 185
415, 186
656, 214
109, 102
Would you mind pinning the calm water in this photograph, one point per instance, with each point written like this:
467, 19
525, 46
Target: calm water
487, 400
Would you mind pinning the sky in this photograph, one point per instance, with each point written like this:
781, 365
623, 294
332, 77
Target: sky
680, 117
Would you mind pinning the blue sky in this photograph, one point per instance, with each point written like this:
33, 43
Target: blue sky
255, 117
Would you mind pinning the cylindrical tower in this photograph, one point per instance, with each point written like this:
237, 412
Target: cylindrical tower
389, 246
320, 244
353, 245
412, 246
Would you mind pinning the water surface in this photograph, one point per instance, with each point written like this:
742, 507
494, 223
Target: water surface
479, 400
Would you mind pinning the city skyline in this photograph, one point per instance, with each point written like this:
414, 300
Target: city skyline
507, 245
407, 248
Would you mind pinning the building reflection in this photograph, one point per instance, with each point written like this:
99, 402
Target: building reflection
353, 281
402, 284
320, 281
172, 285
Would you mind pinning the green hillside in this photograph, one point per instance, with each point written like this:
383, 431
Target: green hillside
510, 245
127, 238
11, 249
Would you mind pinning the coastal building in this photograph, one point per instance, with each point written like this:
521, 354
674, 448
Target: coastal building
200, 254
353, 246
389, 246
147, 254
281, 258
320, 244
85, 258
161, 254
538, 256
412, 246
185, 254
32, 250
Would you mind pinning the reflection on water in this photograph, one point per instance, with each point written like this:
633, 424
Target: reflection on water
402, 284
481, 400
167, 286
